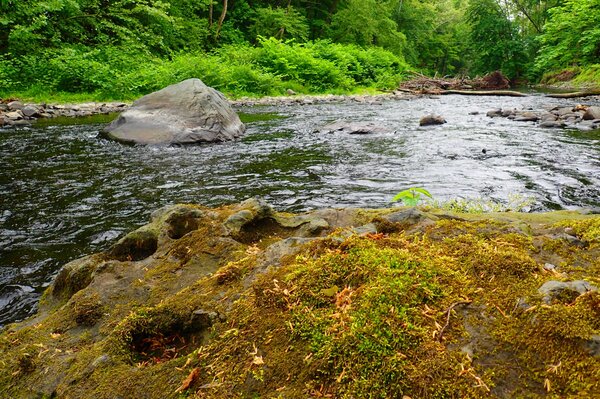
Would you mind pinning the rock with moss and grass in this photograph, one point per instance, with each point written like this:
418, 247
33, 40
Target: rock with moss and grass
242, 301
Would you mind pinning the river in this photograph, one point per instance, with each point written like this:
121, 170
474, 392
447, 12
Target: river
65, 193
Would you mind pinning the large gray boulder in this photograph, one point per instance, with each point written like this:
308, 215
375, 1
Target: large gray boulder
184, 113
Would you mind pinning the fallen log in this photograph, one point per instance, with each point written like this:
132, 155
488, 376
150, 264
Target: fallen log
506, 93
576, 94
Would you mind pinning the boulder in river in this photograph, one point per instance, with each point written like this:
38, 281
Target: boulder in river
429, 120
188, 112
592, 113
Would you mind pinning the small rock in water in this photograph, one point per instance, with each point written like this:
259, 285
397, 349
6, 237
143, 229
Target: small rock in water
494, 113
592, 113
430, 120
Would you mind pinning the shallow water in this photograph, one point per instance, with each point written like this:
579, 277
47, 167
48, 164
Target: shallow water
65, 193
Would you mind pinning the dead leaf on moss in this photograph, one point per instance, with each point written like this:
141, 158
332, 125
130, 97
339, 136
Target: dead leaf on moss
187, 383
547, 385
258, 361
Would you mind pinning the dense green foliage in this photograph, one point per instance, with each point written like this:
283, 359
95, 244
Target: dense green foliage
270, 68
572, 36
124, 48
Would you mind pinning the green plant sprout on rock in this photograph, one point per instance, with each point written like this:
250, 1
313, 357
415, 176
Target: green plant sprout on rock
411, 196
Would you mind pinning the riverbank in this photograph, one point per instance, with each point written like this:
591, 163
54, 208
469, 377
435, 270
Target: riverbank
243, 301
19, 113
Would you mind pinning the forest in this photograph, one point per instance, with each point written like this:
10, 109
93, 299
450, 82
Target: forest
120, 49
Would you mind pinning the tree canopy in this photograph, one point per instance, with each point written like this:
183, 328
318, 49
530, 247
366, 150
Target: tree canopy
522, 38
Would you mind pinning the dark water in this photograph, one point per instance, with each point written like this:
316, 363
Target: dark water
65, 193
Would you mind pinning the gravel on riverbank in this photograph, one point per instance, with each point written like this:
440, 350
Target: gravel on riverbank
18, 113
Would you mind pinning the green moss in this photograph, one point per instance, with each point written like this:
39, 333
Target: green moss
587, 230
378, 316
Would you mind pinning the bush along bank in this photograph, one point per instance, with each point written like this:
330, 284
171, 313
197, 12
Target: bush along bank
271, 68
242, 301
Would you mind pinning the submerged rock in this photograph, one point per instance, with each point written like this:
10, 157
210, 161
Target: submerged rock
185, 113
580, 117
354, 128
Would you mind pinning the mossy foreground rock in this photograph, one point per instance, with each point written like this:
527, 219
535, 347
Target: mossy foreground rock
245, 302
188, 112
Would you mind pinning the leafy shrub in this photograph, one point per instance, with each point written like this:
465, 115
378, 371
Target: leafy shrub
112, 72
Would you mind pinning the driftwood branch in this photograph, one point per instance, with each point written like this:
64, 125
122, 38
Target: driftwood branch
448, 312
576, 94
503, 93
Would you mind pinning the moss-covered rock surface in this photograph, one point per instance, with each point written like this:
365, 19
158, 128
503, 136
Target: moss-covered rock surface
245, 302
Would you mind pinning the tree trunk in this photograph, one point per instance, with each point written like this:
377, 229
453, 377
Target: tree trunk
210, 14
221, 18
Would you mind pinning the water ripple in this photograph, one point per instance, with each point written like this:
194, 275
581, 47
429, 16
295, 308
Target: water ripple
65, 193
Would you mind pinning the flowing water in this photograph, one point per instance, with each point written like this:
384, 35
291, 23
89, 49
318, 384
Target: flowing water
65, 193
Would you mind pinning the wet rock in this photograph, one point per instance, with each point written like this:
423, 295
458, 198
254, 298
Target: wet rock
74, 276
183, 220
86, 308
430, 120
288, 247
409, 216
548, 117
508, 112
354, 128
306, 225
15, 105
592, 113
592, 345
527, 117
185, 113
202, 319
14, 116
31, 111
366, 229
564, 291
135, 246
401, 220
549, 267
20, 122
552, 124
494, 113
251, 209
571, 240
563, 111
586, 126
